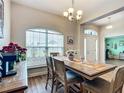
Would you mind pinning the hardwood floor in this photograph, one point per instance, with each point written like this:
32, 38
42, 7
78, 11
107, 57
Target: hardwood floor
115, 62
37, 85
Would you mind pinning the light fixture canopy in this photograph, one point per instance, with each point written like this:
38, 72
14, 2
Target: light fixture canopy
72, 15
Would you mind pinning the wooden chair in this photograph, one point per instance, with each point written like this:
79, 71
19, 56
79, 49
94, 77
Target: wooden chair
54, 54
100, 85
50, 72
66, 78
1, 60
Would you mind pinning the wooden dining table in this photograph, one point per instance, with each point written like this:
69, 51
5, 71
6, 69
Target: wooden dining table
88, 70
17, 83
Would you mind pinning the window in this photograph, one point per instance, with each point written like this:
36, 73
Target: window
90, 32
41, 42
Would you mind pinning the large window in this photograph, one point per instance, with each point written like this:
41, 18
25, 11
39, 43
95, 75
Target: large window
41, 42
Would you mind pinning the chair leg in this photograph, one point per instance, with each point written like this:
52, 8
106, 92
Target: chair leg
85, 90
57, 84
81, 88
121, 89
52, 84
66, 90
47, 81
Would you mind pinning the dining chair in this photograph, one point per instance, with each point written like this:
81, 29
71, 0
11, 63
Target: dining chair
50, 72
53, 54
66, 78
100, 85
1, 60
0, 73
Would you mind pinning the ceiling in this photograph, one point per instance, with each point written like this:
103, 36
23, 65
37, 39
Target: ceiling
113, 18
90, 7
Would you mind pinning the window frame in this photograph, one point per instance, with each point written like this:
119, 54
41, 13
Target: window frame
46, 33
91, 31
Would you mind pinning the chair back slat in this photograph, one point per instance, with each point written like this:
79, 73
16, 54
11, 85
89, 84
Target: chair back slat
60, 70
50, 66
118, 80
53, 54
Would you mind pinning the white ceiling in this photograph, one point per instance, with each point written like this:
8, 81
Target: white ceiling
113, 18
90, 7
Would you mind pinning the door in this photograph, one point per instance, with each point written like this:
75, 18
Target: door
90, 48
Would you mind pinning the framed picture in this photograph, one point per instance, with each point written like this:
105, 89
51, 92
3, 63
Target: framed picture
121, 43
70, 40
1, 18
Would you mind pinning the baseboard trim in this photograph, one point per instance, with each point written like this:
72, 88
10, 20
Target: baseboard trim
36, 66
37, 74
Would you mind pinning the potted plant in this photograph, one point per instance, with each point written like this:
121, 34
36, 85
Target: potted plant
14, 49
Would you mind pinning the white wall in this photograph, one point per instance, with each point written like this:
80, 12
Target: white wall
117, 30
24, 18
6, 38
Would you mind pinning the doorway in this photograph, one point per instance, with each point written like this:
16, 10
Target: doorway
114, 50
91, 48
90, 45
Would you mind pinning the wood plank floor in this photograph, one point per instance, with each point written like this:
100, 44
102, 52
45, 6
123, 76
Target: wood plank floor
37, 85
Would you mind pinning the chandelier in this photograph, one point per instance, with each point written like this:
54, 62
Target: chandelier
72, 15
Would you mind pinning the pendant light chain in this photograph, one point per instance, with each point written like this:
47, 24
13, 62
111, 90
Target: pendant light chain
72, 3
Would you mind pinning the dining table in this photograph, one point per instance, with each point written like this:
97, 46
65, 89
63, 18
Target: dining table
17, 83
87, 69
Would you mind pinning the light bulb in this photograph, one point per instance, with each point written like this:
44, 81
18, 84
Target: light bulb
65, 14
78, 17
70, 18
79, 12
71, 10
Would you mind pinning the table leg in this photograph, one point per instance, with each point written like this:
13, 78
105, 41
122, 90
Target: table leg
84, 90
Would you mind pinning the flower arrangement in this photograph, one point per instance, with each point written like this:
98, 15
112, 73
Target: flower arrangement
71, 54
15, 48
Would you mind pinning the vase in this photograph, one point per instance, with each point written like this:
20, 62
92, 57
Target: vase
71, 57
10, 58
